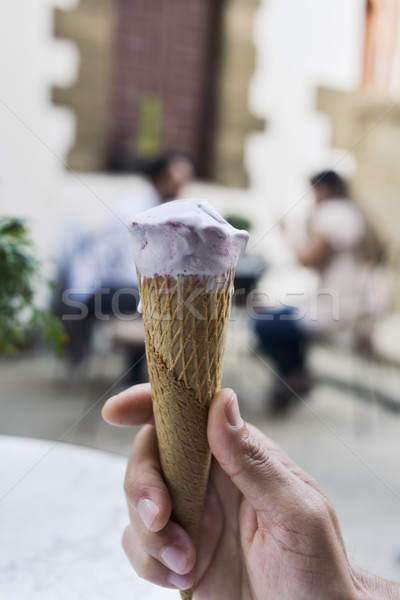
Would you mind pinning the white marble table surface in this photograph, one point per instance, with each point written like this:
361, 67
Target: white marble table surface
62, 514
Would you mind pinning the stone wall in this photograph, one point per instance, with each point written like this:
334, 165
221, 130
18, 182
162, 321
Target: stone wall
234, 122
94, 27
91, 27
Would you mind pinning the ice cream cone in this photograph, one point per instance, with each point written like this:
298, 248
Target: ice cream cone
185, 321
186, 594
185, 255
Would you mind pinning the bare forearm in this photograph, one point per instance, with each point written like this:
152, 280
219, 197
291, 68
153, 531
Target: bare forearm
314, 254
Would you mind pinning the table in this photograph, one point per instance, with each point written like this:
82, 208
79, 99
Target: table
62, 514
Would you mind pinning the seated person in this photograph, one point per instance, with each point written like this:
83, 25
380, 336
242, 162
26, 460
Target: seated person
101, 279
341, 247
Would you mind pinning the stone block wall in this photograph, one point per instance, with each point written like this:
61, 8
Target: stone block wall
147, 80
234, 122
370, 129
91, 27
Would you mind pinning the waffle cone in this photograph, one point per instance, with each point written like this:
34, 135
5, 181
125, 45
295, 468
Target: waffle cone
185, 321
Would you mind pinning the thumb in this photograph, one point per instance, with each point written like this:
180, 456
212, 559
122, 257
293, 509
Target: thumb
245, 454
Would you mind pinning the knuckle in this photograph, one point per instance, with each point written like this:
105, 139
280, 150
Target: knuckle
316, 512
259, 459
145, 566
141, 560
131, 486
125, 538
332, 516
254, 453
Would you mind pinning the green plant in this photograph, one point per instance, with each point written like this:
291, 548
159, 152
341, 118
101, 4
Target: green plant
239, 222
19, 272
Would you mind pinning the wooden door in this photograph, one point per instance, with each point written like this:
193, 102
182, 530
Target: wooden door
162, 92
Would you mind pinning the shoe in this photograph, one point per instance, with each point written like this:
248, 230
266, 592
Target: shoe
288, 392
279, 405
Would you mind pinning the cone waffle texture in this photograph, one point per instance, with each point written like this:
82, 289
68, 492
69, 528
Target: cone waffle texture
185, 321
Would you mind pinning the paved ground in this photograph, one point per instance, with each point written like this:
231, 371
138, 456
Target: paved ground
342, 433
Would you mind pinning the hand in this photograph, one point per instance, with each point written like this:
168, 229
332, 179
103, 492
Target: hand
269, 531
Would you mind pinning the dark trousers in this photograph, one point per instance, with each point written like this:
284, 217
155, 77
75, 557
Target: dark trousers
281, 339
87, 312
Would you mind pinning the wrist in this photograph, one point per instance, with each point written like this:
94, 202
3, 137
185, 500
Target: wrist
372, 587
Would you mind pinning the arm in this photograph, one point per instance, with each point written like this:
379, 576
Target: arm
315, 253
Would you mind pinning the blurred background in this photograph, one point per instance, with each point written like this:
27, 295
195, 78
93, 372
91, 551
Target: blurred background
260, 94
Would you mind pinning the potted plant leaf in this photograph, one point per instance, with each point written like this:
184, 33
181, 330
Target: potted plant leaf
19, 274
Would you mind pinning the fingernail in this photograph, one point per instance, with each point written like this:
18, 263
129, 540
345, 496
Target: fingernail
232, 413
182, 582
148, 511
174, 558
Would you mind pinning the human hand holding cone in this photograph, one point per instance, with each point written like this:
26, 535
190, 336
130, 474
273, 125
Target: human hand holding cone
185, 304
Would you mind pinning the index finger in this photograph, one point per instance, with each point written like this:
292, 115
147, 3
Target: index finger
131, 407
